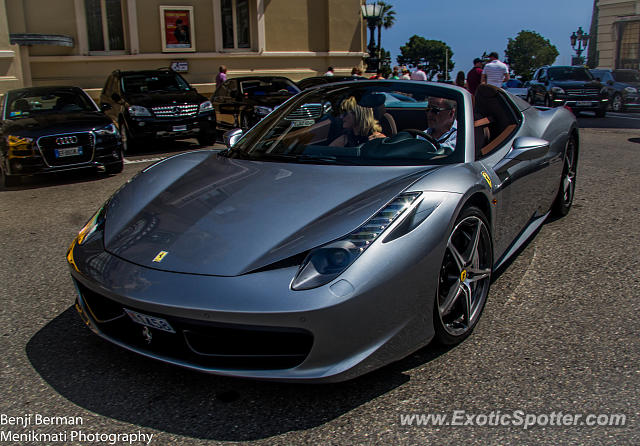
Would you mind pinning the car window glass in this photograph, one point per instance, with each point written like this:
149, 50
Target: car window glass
627, 76
33, 102
569, 73
268, 87
344, 125
162, 81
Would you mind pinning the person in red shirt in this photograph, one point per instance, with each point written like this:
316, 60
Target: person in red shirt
474, 76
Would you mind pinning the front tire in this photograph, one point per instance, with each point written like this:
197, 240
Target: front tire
566, 191
465, 275
128, 142
616, 104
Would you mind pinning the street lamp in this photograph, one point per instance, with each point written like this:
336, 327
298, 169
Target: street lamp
372, 13
579, 41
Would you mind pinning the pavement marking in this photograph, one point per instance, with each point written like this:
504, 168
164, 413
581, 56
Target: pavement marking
620, 115
143, 160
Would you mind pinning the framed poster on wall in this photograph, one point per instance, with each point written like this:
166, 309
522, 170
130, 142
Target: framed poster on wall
178, 34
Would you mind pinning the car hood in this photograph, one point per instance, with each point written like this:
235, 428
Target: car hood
52, 123
575, 84
155, 99
219, 216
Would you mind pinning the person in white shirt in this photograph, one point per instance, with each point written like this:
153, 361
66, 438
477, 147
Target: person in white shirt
443, 126
495, 72
419, 75
329, 72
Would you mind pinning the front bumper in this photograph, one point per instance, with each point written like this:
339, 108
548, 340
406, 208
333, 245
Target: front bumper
175, 128
582, 104
375, 313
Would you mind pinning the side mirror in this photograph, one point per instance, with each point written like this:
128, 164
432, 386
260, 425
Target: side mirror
231, 137
527, 148
116, 97
609, 82
104, 107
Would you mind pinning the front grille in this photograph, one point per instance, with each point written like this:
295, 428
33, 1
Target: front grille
306, 111
176, 111
49, 144
200, 343
582, 91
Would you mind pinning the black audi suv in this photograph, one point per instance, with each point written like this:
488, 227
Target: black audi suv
157, 104
54, 129
573, 86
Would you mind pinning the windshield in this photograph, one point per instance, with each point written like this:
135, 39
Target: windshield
356, 124
27, 103
626, 76
569, 74
153, 82
268, 87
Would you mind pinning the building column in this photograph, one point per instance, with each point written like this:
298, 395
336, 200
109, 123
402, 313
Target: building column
10, 62
132, 16
261, 27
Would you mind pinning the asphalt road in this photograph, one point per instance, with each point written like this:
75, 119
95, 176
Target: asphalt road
560, 333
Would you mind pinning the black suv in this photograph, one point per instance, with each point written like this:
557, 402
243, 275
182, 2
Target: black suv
573, 86
157, 104
622, 88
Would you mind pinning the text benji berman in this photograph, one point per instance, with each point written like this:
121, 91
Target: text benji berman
37, 419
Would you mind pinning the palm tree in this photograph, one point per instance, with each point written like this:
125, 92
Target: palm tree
388, 18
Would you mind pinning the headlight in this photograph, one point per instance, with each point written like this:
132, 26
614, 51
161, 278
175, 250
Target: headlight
631, 90
206, 106
557, 90
110, 129
92, 225
261, 110
136, 110
327, 262
20, 145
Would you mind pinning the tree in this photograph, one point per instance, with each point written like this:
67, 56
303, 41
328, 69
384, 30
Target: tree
385, 62
388, 19
430, 53
528, 52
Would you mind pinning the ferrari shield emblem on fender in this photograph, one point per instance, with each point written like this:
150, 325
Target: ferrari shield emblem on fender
486, 177
158, 258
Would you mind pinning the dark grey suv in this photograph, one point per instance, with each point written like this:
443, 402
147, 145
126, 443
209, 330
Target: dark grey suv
622, 88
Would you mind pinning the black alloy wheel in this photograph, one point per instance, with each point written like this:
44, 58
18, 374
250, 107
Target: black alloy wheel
465, 275
127, 139
566, 191
115, 168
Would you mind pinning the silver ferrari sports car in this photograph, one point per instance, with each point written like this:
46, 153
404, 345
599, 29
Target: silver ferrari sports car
337, 235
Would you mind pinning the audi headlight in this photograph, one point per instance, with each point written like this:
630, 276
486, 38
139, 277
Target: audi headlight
261, 110
110, 130
327, 262
20, 145
137, 110
206, 106
631, 90
92, 225
557, 90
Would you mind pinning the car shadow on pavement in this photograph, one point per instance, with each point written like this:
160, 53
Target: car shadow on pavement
112, 382
57, 179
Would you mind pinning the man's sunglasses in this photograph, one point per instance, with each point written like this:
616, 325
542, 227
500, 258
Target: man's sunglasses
436, 110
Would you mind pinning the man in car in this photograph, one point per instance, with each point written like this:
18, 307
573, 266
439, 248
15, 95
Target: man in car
441, 118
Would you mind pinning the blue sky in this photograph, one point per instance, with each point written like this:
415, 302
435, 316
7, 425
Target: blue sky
470, 27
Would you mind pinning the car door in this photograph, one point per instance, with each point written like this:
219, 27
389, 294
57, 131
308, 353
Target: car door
541, 86
224, 105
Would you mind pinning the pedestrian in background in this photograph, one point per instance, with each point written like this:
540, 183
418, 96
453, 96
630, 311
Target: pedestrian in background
460, 80
418, 75
356, 72
405, 74
395, 74
495, 72
329, 71
222, 76
474, 76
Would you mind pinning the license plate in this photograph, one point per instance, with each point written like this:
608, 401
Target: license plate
584, 103
179, 128
68, 151
150, 321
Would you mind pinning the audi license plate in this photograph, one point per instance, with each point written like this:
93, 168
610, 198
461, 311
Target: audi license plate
150, 321
68, 151
584, 104
179, 128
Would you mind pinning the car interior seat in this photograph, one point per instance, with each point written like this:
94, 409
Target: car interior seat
21, 105
494, 119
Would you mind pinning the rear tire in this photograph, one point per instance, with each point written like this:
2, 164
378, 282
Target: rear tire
616, 104
566, 191
464, 279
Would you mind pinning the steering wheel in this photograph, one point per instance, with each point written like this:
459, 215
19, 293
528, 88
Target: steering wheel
431, 139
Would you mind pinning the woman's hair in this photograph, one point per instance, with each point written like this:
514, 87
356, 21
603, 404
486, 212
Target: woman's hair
365, 122
460, 79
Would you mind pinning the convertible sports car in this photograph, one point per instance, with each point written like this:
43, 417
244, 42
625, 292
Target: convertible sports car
316, 248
